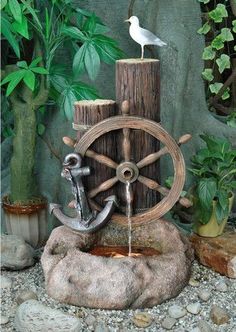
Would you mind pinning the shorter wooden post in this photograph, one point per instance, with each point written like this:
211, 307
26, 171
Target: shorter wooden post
88, 113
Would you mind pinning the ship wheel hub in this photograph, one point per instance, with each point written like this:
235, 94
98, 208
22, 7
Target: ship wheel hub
127, 172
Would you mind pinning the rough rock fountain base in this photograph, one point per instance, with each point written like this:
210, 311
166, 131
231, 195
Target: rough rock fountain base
76, 277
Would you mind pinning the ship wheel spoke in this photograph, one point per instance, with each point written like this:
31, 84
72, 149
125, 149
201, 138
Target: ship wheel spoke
103, 187
101, 158
151, 158
151, 184
126, 145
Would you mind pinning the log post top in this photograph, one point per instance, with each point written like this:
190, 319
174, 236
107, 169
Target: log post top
137, 60
96, 102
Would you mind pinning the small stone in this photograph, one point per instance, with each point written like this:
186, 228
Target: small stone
101, 327
195, 329
168, 323
5, 282
193, 282
90, 320
204, 295
221, 286
194, 308
16, 254
4, 320
204, 326
218, 315
142, 319
26, 295
176, 311
33, 316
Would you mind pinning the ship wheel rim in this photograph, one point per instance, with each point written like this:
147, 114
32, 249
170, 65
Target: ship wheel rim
154, 129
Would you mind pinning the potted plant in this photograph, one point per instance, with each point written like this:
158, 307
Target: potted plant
32, 37
214, 168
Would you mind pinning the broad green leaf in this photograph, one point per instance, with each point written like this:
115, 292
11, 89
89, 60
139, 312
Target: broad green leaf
29, 79
84, 91
15, 81
22, 64
235, 48
74, 33
3, 4
204, 29
207, 74
226, 34
206, 190
12, 76
35, 62
92, 61
108, 52
90, 24
15, 9
223, 200
218, 42
68, 104
32, 12
234, 25
218, 13
40, 129
7, 33
223, 62
221, 213
78, 61
215, 87
21, 28
208, 53
59, 82
40, 70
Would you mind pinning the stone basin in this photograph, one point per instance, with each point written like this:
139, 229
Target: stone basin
84, 269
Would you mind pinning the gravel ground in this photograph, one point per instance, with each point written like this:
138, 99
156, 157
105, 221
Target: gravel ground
121, 321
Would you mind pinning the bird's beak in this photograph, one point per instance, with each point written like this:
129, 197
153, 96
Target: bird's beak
126, 20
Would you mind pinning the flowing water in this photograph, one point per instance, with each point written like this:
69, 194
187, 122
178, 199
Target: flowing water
129, 214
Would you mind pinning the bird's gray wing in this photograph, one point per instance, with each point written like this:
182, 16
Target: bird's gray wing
148, 35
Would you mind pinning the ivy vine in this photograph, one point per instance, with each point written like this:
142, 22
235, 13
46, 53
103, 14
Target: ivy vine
219, 54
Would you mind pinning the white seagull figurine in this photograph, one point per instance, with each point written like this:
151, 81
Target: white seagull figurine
142, 36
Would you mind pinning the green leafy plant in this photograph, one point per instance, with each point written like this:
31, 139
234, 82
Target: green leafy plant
214, 168
34, 34
219, 29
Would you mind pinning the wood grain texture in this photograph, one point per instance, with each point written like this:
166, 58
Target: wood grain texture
88, 113
138, 82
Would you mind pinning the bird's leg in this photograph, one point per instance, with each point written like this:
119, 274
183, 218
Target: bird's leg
142, 54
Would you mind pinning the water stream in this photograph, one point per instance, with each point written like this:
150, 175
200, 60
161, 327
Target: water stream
129, 214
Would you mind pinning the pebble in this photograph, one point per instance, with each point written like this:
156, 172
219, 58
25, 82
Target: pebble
221, 286
90, 320
5, 282
218, 315
204, 295
194, 308
32, 316
176, 311
4, 320
195, 329
193, 282
204, 326
142, 319
26, 295
168, 323
101, 327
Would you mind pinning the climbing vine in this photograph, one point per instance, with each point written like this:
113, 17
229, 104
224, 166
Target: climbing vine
219, 54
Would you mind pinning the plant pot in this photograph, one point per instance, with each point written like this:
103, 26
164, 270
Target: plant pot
27, 221
212, 228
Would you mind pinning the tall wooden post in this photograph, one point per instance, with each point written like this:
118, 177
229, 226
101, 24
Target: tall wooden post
138, 81
88, 113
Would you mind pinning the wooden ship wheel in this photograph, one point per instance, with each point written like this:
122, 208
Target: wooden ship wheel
129, 171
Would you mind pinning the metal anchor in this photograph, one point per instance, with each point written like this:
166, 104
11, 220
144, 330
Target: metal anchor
86, 220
